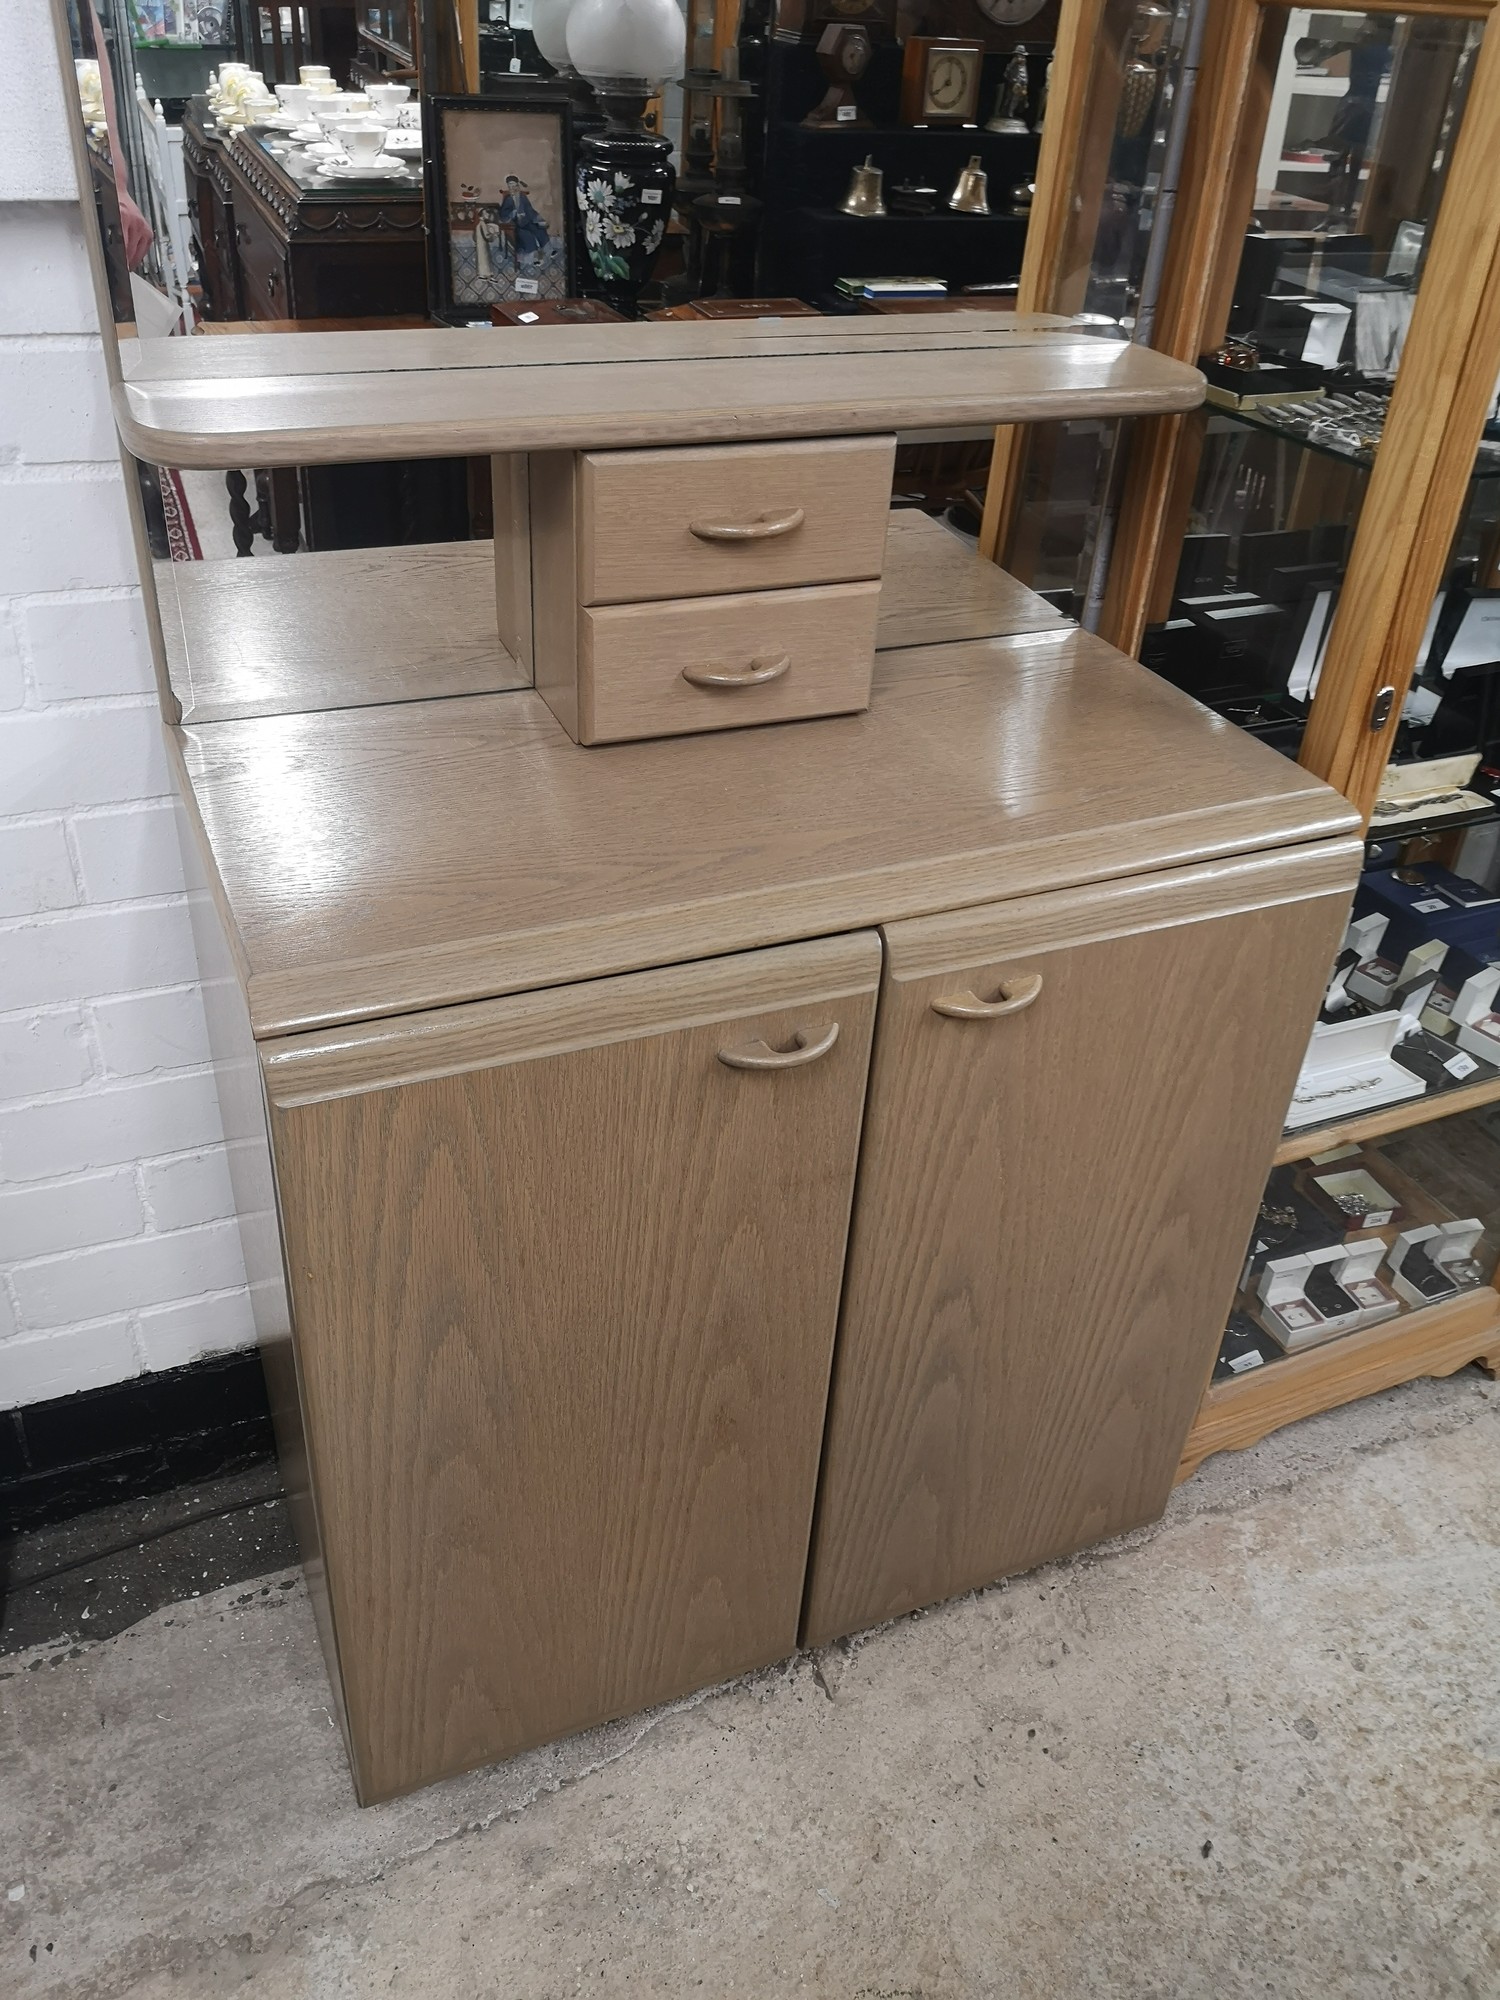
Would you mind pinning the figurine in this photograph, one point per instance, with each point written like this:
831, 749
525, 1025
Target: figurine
1010, 104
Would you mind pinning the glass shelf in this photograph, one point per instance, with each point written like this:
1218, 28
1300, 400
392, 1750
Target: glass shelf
1486, 466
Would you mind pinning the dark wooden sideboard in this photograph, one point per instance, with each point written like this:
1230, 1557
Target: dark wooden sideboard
276, 247
273, 245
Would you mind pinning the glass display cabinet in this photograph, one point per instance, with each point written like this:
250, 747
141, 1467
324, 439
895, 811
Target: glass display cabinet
1313, 556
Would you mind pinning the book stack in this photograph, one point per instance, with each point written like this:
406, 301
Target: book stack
890, 288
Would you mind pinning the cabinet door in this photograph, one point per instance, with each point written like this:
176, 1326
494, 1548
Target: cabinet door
565, 1274
1073, 1106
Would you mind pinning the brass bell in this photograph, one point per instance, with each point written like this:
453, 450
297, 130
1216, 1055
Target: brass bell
970, 195
864, 196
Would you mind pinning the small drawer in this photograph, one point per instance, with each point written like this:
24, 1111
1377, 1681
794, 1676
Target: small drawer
721, 662
699, 522
262, 264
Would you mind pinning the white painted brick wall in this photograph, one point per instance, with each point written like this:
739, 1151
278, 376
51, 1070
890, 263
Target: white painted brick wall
118, 1251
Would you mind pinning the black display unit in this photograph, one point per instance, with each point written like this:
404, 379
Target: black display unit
807, 243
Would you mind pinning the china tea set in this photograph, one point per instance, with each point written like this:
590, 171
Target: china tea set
346, 134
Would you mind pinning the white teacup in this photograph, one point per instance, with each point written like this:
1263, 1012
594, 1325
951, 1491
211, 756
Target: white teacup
387, 97
329, 111
314, 73
295, 98
362, 142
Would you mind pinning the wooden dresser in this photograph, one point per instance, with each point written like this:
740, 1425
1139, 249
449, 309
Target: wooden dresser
274, 246
637, 1145
210, 193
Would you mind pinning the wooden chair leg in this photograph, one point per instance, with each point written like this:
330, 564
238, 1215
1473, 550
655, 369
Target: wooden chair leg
285, 510
241, 519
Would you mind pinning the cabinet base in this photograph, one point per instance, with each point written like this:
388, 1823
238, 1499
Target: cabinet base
1439, 1341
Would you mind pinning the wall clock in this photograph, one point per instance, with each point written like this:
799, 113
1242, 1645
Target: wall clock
997, 24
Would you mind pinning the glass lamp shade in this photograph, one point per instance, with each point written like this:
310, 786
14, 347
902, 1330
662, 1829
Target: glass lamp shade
627, 38
549, 28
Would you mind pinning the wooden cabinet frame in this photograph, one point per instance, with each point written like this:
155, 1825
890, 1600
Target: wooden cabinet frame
1444, 387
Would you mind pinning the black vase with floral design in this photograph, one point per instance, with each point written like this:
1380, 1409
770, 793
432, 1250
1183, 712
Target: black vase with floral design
625, 180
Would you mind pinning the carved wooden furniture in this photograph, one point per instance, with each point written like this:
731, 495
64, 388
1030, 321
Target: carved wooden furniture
307, 250
548, 1069
210, 190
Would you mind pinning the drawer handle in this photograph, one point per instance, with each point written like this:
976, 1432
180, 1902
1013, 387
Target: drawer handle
1014, 997
755, 675
764, 528
760, 1054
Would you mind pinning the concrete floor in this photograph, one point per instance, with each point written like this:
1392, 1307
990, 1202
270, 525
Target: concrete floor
1254, 1750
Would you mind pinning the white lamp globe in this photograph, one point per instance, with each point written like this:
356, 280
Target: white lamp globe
549, 30
627, 38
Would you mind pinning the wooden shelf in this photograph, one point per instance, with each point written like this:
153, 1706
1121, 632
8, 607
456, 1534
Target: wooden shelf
353, 628
344, 628
1436, 1341
937, 589
1389, 1118
310, 399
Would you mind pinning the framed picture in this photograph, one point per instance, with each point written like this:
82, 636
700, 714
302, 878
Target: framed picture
499, 199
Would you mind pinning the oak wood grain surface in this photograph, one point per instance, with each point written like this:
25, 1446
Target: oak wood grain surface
411, 1048
1053, 1208
672, 384
384, 859
935, 588
448, 348
564, 1326
337, 628
510, 489
357, 627
242, 1110
553, 500
633, 659
389, 859
638, 511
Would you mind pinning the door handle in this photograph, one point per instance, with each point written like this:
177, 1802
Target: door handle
755, 675
760, 1055
1014, 997
763, 527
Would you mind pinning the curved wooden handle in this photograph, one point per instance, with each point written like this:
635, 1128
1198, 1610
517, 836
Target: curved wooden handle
755, 675
762, 528
760, 1054
1014, 997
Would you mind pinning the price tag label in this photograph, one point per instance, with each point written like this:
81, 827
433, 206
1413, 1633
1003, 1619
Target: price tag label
651, 197
1429, 904
515, 65
528, 288
730, 201
846, 114
1461, 1065
528, 319
1243, 1361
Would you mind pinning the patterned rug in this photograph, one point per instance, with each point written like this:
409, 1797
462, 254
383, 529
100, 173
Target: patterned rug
182, 536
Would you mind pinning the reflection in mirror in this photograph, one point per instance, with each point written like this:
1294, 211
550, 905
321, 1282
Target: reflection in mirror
1108, 267
263, 170
1363, 112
